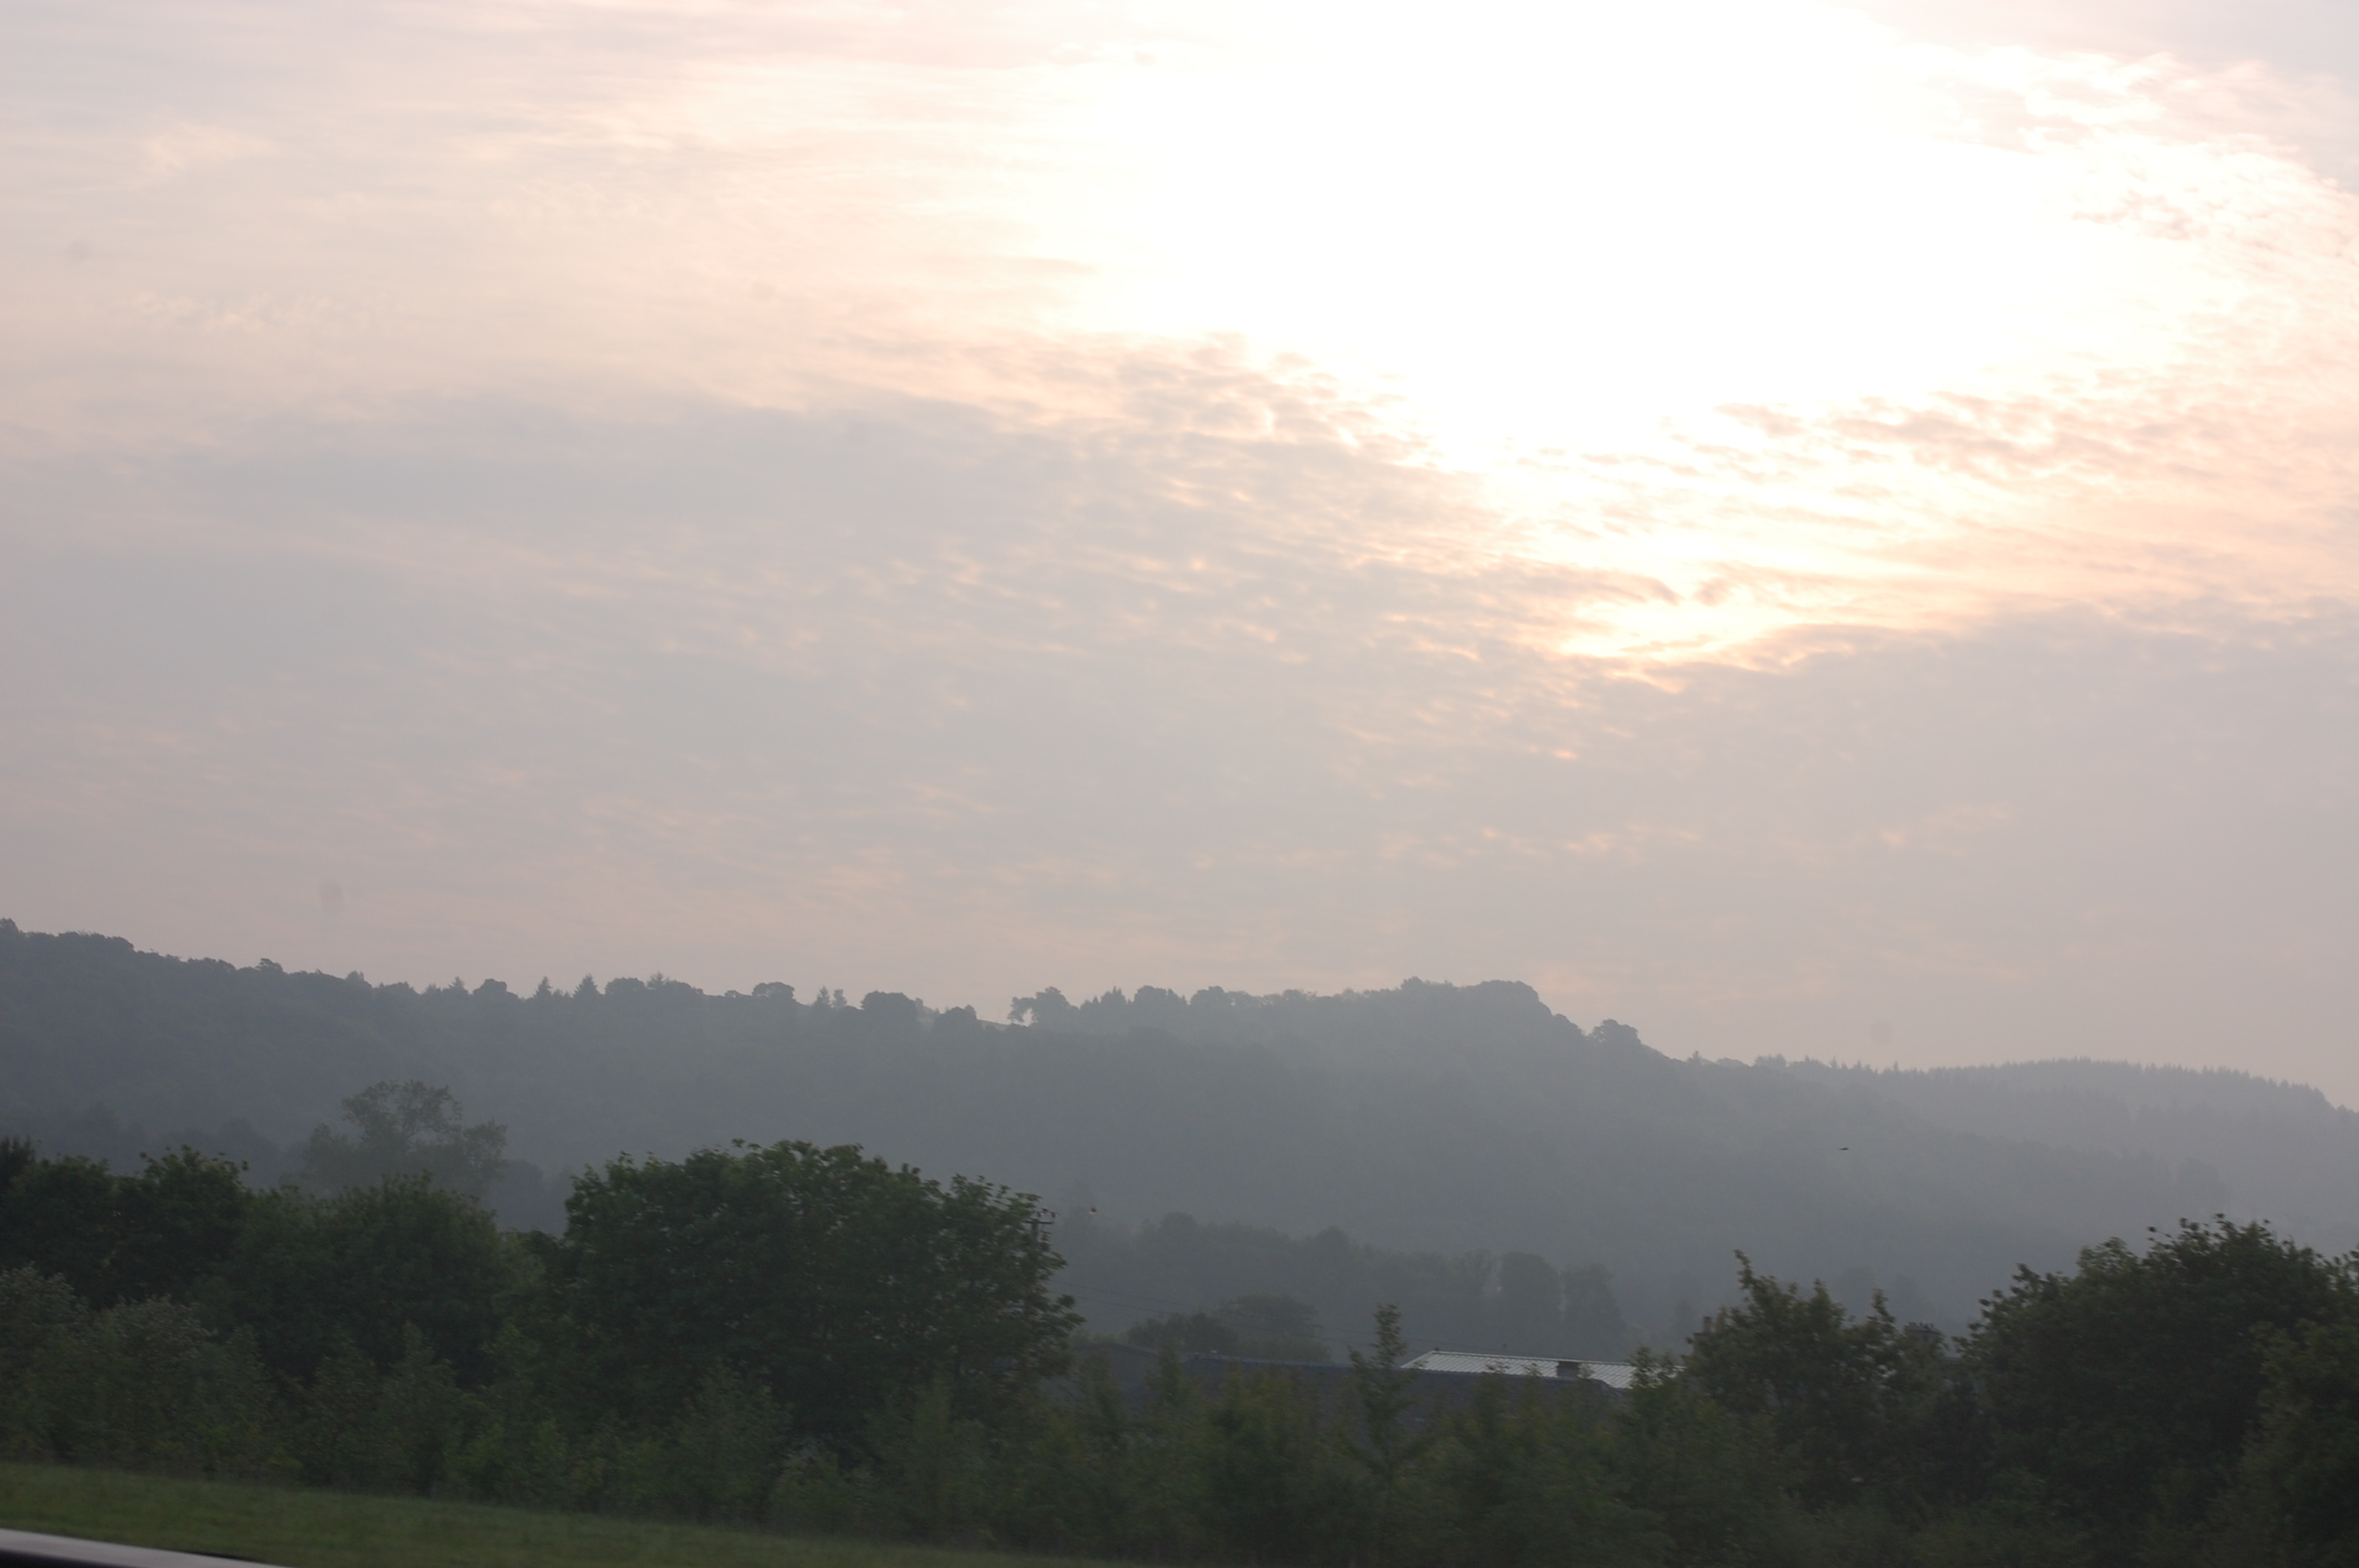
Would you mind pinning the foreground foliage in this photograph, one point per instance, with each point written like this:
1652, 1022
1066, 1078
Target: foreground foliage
812, 1340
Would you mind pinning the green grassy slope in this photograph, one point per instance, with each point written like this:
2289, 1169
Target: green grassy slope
303, 1529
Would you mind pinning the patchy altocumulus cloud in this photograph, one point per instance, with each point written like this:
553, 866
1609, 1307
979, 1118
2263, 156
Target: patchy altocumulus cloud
972, 498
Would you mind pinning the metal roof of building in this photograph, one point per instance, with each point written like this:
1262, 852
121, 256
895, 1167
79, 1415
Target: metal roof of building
1613, 1374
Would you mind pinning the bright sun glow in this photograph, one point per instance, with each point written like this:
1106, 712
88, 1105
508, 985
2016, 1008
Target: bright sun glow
1760, 312
1752, 305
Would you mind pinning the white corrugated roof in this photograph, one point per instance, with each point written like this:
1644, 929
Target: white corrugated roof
1613, 1374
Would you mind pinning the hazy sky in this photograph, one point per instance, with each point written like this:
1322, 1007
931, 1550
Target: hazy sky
1809, 529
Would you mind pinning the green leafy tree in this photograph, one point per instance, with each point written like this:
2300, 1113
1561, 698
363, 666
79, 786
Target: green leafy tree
144, 1384
1270, 1486
397, 1428
165, 1231
1594, 1325
40, 1317
2302, 1466
1268, 1327
1530, 1305
364, 1269
177, 1222
1391, 1437
728, 1447
1845, 1398
64, 1217
1712, 1480
842, 1284
1525, 1478
1275, 1327
1072, 1479
1165, 1437
405, 1129
937, 1463
1194, 1333
2126, 1389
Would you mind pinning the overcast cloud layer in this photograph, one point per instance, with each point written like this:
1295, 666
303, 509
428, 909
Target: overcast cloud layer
1809, 530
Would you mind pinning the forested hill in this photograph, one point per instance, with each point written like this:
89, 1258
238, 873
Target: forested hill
2263, 1147
1429, 1117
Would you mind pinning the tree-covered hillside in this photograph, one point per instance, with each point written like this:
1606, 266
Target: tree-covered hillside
1445, 1119
2283, 1149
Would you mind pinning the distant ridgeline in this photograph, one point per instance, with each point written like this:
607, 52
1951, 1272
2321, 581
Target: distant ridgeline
1371, 1145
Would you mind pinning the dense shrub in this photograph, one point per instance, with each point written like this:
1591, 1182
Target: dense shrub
2127, 1391
841, 1283
140, 1384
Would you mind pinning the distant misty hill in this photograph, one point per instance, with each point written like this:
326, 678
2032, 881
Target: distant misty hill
1433, 1118
2283, 1151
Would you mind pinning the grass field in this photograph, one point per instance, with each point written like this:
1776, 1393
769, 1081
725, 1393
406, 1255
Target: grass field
306, 1528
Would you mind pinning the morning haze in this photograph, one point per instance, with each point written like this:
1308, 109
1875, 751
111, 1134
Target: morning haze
1206, 1148
927, 771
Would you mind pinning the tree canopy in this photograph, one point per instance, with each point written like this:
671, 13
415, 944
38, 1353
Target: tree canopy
838, 1282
